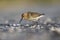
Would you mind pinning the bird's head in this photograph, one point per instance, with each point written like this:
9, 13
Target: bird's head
24, 16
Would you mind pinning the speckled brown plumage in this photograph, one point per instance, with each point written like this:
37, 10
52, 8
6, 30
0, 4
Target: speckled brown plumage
31, 16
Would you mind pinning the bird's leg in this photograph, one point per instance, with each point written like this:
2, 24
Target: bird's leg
36, 27
36, 23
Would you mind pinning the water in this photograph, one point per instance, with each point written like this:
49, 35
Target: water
24, 36
28, 34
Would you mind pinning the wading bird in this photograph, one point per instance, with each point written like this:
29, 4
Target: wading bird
31, 16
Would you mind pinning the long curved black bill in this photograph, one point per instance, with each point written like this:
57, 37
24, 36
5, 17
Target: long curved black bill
20, 20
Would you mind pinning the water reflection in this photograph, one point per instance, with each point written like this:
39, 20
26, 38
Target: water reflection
29, 35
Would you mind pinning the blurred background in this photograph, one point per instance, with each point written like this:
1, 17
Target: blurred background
12, 9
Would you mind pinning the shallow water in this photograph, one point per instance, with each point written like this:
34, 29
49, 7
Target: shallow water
26, 35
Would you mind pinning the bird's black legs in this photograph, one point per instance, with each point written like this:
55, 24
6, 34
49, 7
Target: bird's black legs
36, 25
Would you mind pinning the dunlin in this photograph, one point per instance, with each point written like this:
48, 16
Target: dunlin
31, 16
